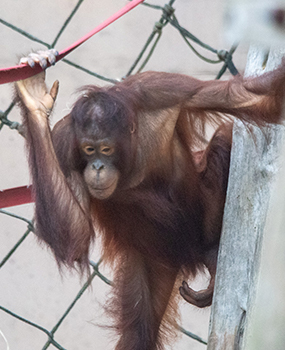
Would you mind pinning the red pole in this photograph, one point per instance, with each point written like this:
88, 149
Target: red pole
23, 71
15, 196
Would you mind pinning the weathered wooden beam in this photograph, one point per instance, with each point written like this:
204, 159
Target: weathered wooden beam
267, 319
253, 165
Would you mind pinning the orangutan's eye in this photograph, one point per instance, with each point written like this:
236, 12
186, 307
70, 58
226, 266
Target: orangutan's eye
89, 150
106, 150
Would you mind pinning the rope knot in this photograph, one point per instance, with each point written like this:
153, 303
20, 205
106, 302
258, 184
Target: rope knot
14, 125
158, 27
227, 57
223, 55
168, 11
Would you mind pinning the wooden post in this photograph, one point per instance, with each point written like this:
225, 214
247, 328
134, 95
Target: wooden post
253, 165
267, 319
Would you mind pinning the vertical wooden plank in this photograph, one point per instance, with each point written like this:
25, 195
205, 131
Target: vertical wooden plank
267, 319
253, 165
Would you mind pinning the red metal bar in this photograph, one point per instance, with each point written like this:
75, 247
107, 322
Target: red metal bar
15, 196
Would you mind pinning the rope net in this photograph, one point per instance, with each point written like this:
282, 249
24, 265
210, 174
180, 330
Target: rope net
165, 18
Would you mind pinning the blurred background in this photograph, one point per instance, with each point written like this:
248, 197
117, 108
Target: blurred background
30, 284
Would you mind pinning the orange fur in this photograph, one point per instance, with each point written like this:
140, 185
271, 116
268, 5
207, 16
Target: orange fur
165, 215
